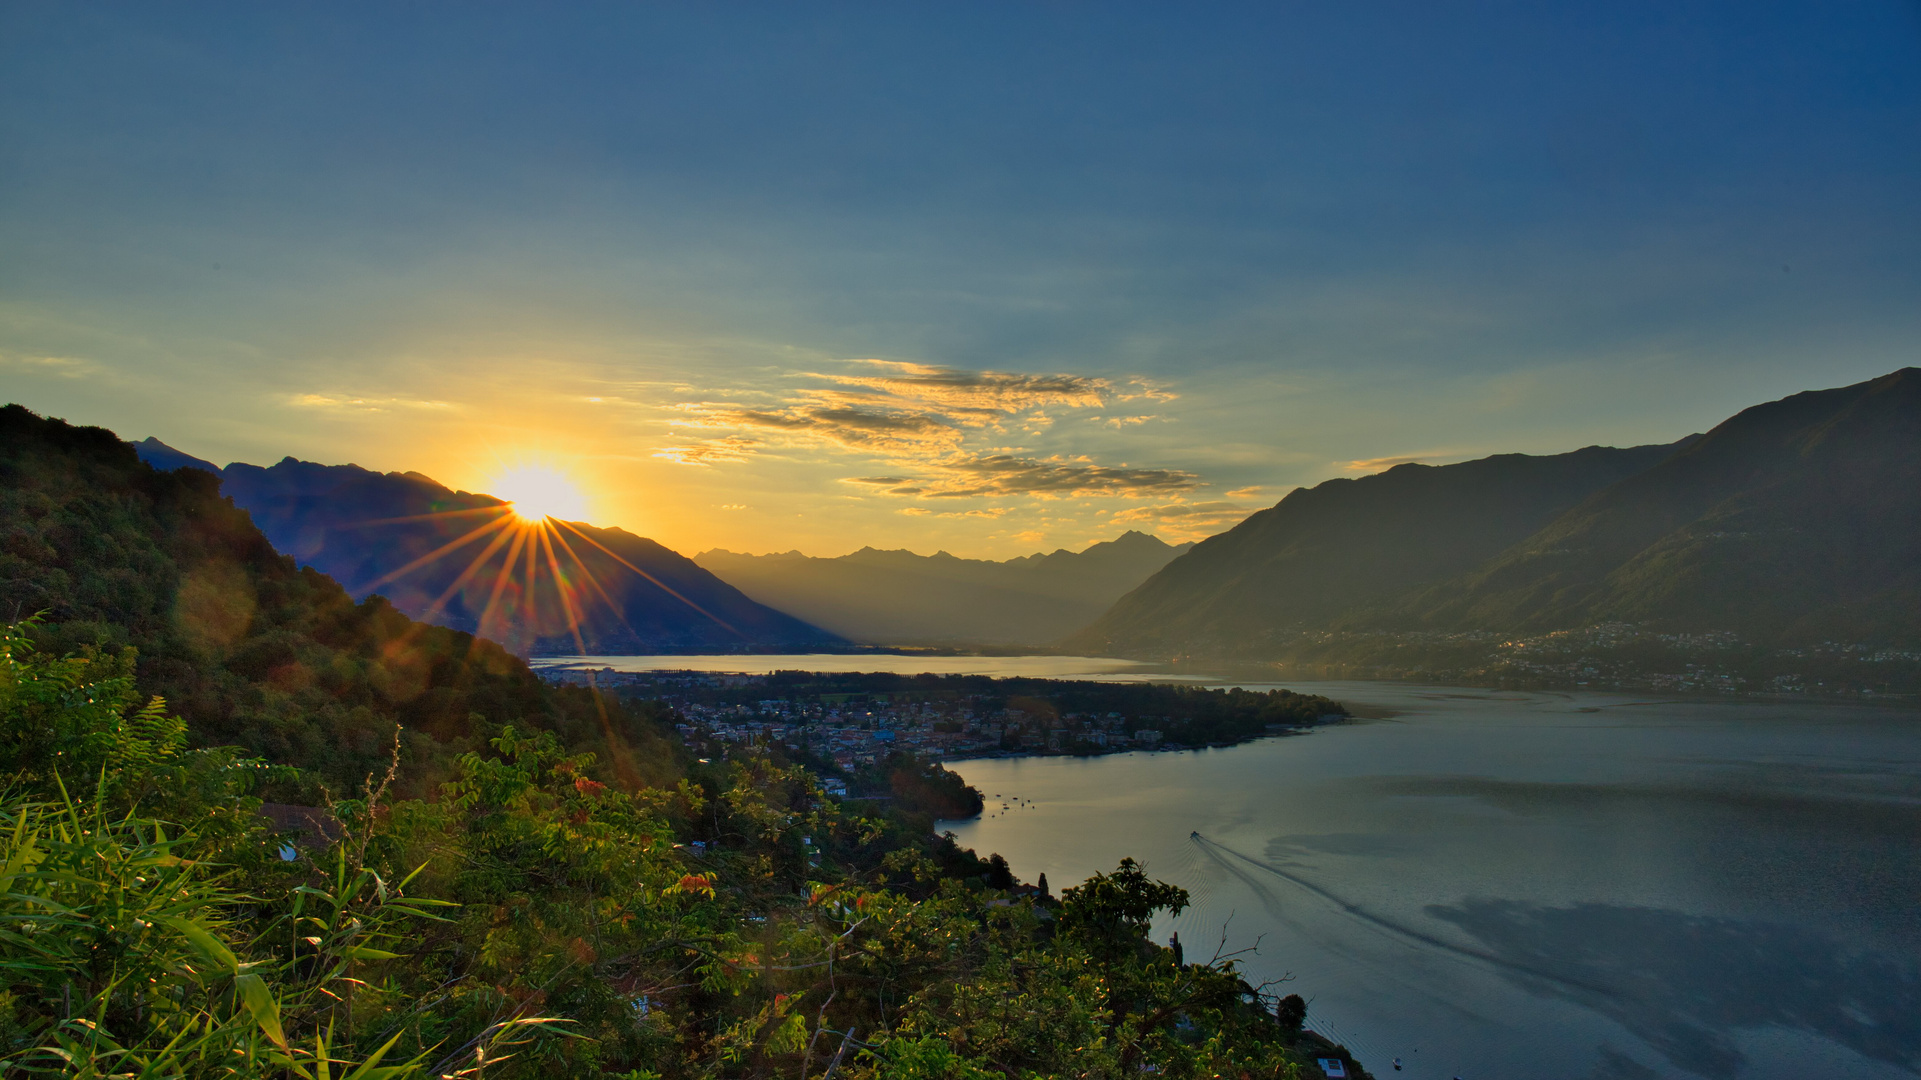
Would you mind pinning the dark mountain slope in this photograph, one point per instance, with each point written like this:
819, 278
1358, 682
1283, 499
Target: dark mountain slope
1325, 552
249, 648
1799, 519
367, 529
166, 458
898, 597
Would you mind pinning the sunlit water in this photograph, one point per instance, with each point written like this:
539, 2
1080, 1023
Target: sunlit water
1491, 884
1032, 667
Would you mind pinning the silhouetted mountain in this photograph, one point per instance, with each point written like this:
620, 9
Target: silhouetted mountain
1324, 552
166, 458
898, 597
1798, 520
401, 535
248, 647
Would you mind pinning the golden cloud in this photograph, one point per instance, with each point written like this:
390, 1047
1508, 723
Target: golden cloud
1374, 465
1008, 474
956, 390
710, 451
853, 428
343, 403
919, 418
1187, 520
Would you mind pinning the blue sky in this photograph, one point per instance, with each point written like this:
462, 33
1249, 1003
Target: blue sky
978, 277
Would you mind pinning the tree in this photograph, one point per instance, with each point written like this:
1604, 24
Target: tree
999, 874
1111, 912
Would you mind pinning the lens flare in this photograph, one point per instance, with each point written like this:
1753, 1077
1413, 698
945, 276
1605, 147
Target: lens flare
539, 492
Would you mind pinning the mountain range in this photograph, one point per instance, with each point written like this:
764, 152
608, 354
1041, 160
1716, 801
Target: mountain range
898, 597
457, 559
1794, 521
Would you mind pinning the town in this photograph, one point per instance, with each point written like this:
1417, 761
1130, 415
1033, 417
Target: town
858, 720
1617, 657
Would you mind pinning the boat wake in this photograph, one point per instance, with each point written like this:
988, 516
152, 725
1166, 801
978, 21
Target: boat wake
1232, 862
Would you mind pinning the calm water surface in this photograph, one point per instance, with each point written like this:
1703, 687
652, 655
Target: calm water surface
1492, 884
1031, 667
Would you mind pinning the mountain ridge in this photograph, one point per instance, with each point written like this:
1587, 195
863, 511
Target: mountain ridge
900, 597
378, 531
1768, 525
1791, 521
1326, 550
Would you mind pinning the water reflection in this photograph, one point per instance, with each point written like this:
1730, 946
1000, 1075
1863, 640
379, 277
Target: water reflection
1408, 933
1687, 984
1512, 885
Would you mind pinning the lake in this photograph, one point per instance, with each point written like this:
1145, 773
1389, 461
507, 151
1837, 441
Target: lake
1490, 884
1030, 667
1504, 884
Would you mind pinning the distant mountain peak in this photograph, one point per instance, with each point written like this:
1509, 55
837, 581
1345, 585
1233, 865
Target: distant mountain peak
426, 548
899, 597
166, 458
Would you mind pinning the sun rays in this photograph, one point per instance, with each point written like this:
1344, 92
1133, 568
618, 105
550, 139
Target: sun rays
528, 581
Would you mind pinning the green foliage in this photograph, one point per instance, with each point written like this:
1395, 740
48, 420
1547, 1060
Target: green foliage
533, 921
1111, 912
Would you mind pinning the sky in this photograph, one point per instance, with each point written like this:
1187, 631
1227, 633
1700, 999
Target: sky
987, 278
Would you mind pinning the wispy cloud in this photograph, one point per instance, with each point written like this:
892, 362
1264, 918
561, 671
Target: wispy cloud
982, 512
1374, 465
1009, 474
710, 451
959, 392
846, 426
1186, 520
64, 367
964, 476
346, 403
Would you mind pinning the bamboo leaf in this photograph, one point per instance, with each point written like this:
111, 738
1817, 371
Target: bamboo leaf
206, 944
370, 1070
259, 1001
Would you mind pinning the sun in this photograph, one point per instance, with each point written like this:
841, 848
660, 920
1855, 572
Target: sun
539, 492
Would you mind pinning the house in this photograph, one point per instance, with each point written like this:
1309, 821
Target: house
1335, 1068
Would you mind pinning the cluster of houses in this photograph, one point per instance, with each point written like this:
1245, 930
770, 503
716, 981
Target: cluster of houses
861, 734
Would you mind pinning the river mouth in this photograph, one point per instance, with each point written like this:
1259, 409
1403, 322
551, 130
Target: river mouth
1494, 883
